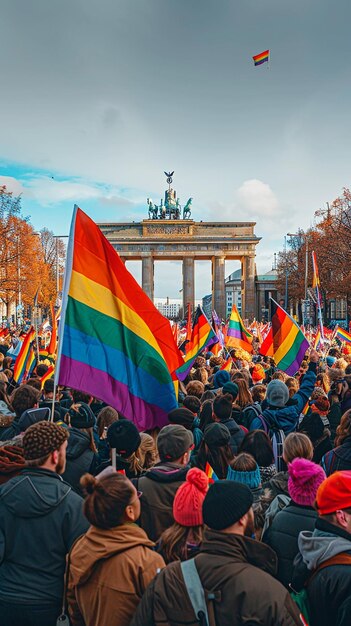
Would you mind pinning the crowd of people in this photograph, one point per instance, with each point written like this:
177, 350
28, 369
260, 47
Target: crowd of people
236, 512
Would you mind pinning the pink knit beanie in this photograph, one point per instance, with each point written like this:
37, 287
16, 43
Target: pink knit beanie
304, 480
187, 504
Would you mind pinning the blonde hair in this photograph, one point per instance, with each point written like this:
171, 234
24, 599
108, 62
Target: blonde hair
145, 456
293, 385
297, 445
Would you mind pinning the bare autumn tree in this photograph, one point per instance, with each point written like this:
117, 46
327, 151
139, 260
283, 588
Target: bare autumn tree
330, 238
24, 266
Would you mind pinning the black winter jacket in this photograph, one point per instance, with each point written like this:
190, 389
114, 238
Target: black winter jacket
80, 458
236, 434
338, 459
330, 589
283, 534
40, 518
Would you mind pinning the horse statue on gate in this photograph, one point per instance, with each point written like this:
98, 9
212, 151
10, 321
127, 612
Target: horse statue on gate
153, 209
187, 210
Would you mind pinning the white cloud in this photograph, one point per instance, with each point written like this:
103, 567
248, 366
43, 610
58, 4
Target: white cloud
258, 199
12, 184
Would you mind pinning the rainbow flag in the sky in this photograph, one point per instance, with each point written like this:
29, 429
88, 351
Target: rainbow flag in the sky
211, 475
202, 336
343, 335
285, 342
23, 356
237, 335
263, 57
113, 342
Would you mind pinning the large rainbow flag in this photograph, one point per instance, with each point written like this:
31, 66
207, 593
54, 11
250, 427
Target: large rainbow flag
237, 335
113, 343
202, 336
285, 342
24, 358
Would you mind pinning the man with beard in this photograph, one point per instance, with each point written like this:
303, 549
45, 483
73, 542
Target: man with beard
40, 518
235, 573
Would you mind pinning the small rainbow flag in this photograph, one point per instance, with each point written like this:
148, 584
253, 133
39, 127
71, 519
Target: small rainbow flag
23, 356
53, 340
202, 336
31, 361
343, 335
317, 339
237, 335
263, 57
48, 374
227, 365
43, 354
285, 342
211, 475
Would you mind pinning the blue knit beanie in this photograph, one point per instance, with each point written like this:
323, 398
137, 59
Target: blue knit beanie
220, 378
251, 479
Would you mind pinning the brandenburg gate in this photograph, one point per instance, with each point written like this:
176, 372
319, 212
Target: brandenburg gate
170, 234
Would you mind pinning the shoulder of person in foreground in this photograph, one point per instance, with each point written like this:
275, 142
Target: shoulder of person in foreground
285, 613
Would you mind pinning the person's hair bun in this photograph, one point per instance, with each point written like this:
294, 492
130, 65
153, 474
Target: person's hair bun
198, 478
89, 483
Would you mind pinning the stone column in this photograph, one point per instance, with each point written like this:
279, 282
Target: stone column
218, 286
147, 276
248, 287
188, 283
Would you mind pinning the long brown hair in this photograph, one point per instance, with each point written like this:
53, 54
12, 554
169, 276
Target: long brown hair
344, 429
174, 541
244, 397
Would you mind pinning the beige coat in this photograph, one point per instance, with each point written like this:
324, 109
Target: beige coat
109, 572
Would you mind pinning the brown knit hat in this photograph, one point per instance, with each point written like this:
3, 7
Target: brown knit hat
43, 438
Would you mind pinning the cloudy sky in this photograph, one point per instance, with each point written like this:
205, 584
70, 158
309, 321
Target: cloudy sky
100, 96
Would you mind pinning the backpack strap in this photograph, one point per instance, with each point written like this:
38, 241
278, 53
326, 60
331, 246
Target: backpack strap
195, 590
339, 559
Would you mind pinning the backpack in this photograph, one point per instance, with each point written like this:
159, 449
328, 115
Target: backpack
277, 437
301, 597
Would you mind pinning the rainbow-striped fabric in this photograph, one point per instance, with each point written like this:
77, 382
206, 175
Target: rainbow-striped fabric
343, 335
48, 374
237, 335
285, 342
24, 355
113, 342
211, 474
263, 57
202, 336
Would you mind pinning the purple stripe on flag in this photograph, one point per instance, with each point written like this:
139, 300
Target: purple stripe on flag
99, 384
293, 368
260, 62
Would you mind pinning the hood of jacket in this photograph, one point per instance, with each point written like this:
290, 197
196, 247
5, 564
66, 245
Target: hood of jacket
231, 424
323, 543
100, 544
33, 493
167, 472
240, 549
78, 442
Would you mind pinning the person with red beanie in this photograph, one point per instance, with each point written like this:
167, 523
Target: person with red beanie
323, 565
182, 540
